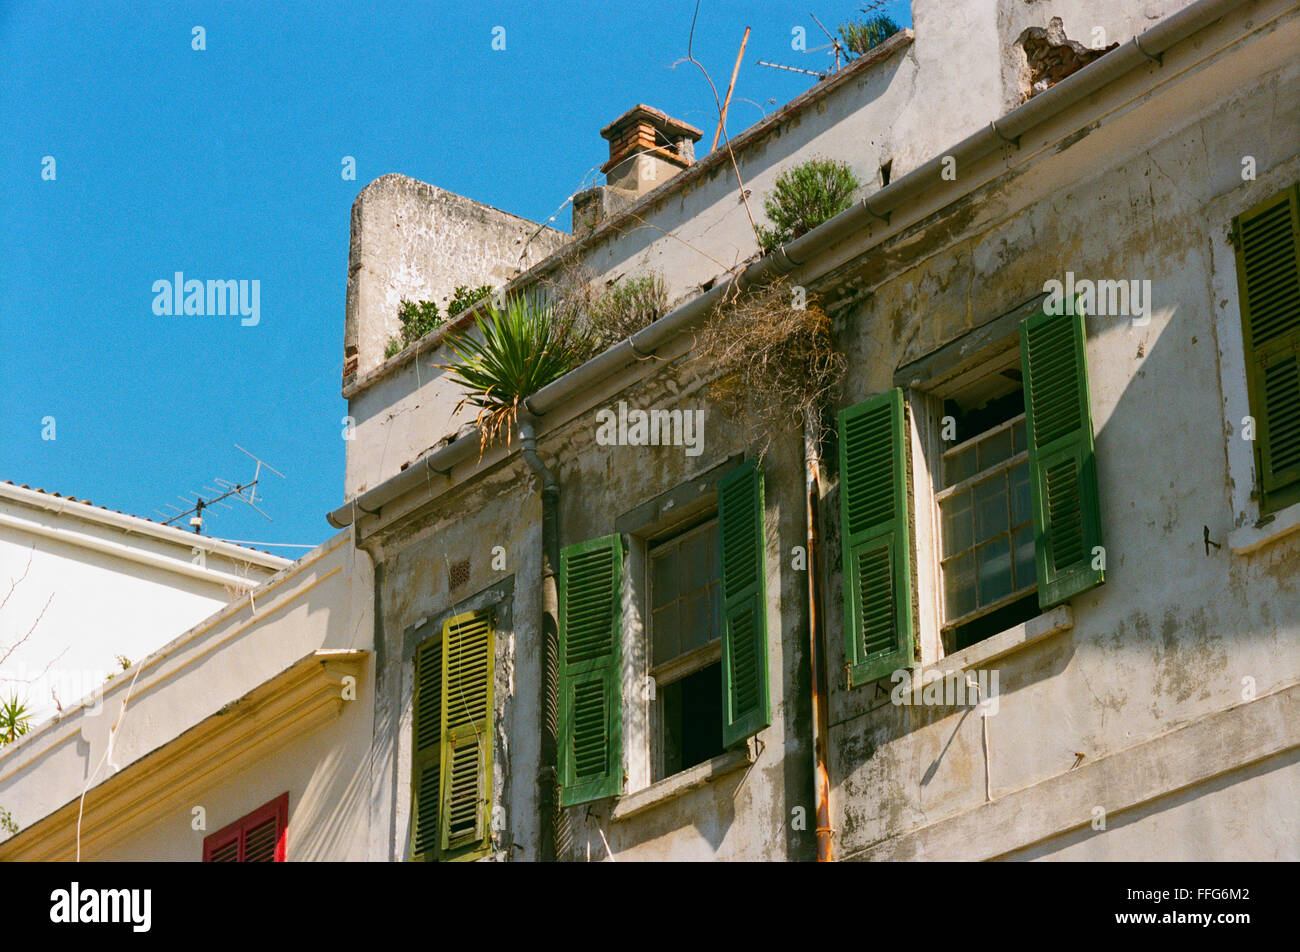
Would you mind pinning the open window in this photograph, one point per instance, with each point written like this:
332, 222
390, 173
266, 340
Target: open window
680, 592
970, 504
685, 635
984, 509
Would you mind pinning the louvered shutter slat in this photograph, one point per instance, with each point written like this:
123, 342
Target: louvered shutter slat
226, 852
876, 538
259, 842
591, 757
1062, 461
745, 699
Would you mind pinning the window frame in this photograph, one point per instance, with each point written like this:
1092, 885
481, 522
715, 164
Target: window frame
1252, 527
926, 382
685, 663
939, 495
238, 831
654, 520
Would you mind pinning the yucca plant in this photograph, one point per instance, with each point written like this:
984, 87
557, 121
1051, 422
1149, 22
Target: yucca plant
523, 348
15, 720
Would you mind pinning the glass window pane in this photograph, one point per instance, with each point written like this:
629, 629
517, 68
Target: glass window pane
958, 524
995, 449
994, 570
1018, 437
663, 628
696, 563
959, 466
715, 619
959, 586
1021, 500
1024, 562
693, 620
663, 583
990, 507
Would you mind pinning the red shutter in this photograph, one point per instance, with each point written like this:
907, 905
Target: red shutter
259, 837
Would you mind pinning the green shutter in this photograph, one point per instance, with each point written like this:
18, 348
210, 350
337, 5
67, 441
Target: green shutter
1062, 462
1267, 240
745, 705
875, 538
426, 759
466, 805
591, 635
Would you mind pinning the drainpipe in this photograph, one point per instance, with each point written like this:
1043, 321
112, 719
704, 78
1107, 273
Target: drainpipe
816, 641
547, 779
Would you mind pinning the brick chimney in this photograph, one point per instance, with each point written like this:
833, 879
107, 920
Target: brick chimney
646, 148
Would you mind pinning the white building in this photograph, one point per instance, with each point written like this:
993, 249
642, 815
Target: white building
91, 586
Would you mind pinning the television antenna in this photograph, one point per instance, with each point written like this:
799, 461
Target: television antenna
836, 44
792, 69
223, 489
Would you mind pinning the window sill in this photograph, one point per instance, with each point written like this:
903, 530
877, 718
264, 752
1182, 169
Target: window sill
1036, 629
1249, 538
689, 779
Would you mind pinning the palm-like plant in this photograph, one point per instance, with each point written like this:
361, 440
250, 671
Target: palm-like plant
523, 348
860, 36
15, 720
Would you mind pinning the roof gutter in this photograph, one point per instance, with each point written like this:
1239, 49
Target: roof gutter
1144, 48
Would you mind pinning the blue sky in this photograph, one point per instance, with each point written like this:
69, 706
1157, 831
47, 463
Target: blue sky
225, 163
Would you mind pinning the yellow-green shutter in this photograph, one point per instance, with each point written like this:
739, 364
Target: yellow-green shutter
591, 751
426, 759
465, 812
1267, 239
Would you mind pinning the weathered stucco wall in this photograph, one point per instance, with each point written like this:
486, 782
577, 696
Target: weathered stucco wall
1170, 637
1135, 705
744, 815
416, 597
415, 241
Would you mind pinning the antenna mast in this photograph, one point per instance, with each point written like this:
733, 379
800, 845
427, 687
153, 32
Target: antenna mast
223, 490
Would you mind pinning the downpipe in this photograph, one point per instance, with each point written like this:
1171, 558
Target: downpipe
549, 817
816, 639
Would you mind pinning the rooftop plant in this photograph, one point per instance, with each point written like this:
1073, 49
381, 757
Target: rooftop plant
15, 719
776, 361
859, 36
803, 198
624, 308
508, 356
464, 297
418, 319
